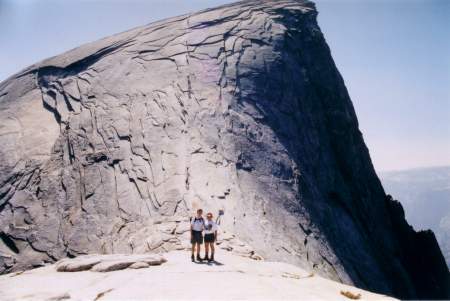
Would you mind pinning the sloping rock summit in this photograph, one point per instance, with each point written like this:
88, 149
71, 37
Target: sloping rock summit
233, 278
110, 147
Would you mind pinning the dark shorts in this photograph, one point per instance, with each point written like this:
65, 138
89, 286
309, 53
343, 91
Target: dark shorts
210, 237
197, 237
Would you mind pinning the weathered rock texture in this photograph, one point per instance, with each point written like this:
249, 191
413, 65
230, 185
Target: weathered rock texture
109, 147
233, 278
107, 263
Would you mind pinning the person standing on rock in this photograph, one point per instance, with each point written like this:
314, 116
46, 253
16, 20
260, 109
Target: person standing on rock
210, 236
197, 227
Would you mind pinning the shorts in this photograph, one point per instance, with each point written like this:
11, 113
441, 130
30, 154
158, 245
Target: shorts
210, 237
197, 237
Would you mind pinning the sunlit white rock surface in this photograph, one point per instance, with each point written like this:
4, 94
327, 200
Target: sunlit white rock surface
231, 278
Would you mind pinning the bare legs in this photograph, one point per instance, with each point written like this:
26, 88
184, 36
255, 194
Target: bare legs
209, 245
193, 251
198, 249
212, 251
206, 250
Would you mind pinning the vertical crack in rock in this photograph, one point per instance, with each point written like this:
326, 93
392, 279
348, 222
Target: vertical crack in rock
111, 146
9, 243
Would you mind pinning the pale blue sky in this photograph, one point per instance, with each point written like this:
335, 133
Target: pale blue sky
394, 57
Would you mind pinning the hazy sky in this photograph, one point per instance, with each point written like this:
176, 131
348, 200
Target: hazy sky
394, 57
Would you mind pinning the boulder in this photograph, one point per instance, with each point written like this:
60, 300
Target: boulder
108, 263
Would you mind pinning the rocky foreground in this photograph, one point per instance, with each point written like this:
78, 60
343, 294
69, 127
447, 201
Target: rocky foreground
131, 277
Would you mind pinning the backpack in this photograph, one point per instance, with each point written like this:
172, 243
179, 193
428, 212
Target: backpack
197, 219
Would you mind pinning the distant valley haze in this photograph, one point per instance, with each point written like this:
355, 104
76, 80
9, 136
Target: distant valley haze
425, 196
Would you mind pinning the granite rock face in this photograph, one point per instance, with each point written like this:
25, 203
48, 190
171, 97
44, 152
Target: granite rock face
110, 147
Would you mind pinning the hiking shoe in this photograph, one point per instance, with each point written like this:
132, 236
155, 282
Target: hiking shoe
206, 257
199, 258
211, 258
192, 258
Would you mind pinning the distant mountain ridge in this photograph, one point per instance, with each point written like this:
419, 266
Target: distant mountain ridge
425, 196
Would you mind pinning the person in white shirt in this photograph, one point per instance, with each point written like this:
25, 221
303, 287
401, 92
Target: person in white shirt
197, 227
210, 236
